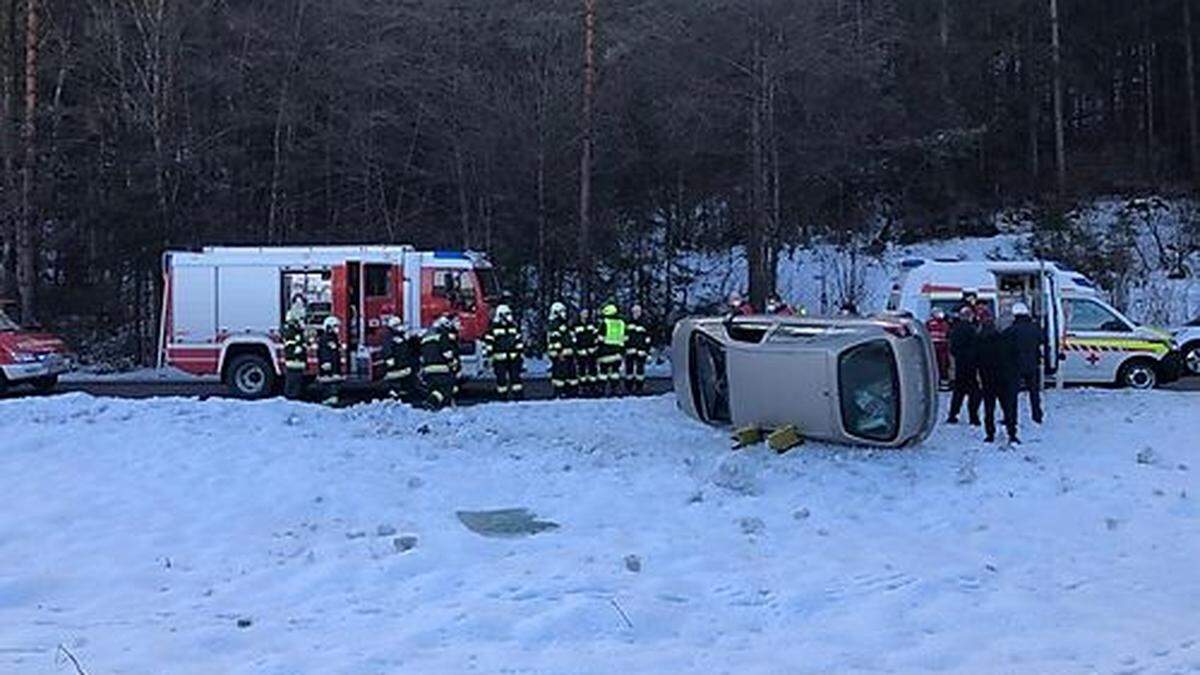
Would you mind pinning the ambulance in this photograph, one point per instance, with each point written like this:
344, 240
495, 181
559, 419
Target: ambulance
224, 307
1087, 340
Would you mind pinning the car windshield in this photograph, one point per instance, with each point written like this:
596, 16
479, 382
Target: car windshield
870, 392
710, 379
7, 323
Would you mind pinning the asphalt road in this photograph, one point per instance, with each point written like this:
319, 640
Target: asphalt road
475, 392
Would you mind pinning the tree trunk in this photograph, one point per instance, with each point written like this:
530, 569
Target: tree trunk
1033, 112
26, 251
756, 234
8, 129
585, 157
1060, 151
1193, 129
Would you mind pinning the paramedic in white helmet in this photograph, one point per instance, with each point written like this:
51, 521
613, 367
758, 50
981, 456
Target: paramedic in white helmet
1026, 337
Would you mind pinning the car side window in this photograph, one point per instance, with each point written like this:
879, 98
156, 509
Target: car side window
1086, 315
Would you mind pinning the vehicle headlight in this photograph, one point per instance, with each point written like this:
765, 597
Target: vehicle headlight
24, 357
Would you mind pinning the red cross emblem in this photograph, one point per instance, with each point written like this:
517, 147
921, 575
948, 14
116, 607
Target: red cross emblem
1093, 358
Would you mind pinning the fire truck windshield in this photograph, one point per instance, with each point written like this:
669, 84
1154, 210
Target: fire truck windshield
488, 284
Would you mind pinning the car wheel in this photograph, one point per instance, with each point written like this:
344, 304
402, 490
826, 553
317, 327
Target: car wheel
45, 385
1138, 375
1191, 358
250, 377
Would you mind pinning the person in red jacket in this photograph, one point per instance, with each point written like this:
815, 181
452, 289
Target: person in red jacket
738, 306
939, 332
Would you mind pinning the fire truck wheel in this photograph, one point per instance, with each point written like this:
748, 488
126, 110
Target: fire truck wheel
45, 385
1138, 374
250, 376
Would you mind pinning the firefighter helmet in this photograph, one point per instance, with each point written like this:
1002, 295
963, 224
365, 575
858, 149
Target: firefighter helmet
1020, 309
610, 310
331, 323
558, 310
394, 322
503, 313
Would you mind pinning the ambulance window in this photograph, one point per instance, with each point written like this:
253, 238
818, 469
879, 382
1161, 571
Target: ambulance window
377, 281
1085, 315
870, 392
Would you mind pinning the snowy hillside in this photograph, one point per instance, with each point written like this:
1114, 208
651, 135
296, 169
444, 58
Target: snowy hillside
177, 536
1155, 231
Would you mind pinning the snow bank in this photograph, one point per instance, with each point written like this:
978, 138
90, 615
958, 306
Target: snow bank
226, 537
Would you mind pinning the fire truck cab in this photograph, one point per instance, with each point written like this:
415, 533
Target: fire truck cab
29, 356
224, 307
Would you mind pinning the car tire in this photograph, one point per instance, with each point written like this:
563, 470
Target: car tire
250, 377
45, 385
1141, 375
1191, 359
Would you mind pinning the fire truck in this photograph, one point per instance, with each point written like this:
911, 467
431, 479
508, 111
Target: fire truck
29, 356
223, 307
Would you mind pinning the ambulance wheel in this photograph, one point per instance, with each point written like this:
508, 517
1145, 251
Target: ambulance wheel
1191, 358
251, 377
1138, 375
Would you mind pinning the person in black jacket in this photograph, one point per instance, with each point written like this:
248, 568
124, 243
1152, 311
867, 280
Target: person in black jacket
399, 362
997, 361
331, 366
1027, 340
966, 369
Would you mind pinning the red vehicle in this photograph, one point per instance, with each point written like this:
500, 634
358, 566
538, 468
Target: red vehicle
224, 307
29, 356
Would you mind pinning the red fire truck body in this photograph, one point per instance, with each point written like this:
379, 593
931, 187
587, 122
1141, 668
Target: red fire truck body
224, 306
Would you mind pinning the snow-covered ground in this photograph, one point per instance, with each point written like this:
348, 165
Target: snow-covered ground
178, 536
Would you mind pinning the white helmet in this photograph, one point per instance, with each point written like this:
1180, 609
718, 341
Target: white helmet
331, 323
394, 322
1020, 309
558, 310
503, 313
442, 323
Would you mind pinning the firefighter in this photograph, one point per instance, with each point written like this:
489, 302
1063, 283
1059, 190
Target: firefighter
331, 368
637, 351
587, 337
963, 346
438, 354
295, 352
997, 363
398, 359
560, 347
1026, 337
505, 348
611, 351
939, 333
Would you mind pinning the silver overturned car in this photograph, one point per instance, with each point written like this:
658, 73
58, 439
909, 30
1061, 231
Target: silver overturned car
862, 381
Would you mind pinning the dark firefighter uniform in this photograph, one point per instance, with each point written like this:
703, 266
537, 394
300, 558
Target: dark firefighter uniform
400, 362
560, 347
964, 349
439, 354
611, 352
295, 358
637, 351
997, 362
587, 338
505, 347
1026, 336
330, 364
